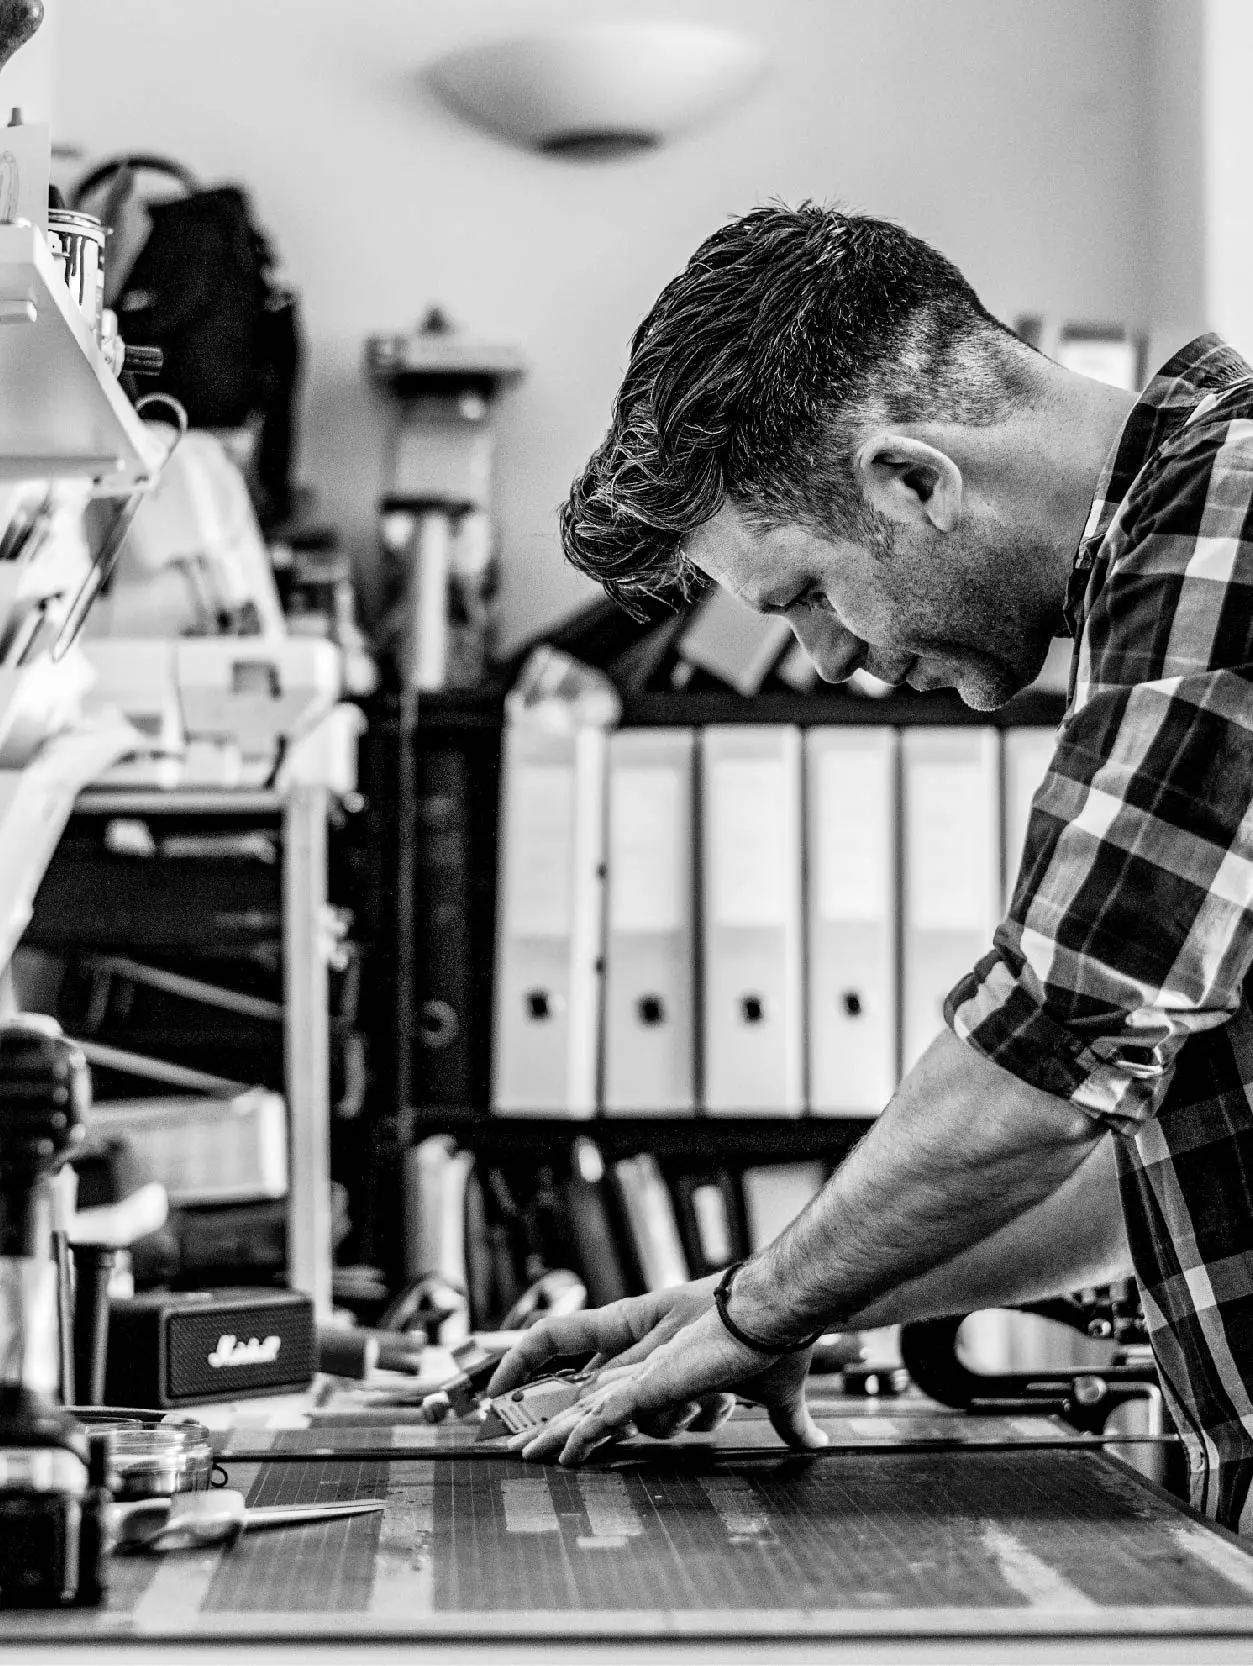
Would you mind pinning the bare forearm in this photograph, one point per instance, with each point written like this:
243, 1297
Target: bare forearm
1074, 1239
963, 1149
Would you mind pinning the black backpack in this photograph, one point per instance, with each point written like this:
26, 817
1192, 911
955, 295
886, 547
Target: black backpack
202, 288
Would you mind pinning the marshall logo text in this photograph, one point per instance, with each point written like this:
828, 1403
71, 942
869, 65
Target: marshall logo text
230, 1351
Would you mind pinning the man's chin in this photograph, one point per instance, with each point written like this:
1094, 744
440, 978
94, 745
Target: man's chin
984, 688
982, 683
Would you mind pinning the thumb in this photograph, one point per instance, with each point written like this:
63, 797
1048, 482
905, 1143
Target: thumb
791, 1420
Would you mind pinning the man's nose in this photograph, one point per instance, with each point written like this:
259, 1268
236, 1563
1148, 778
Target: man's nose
835, 652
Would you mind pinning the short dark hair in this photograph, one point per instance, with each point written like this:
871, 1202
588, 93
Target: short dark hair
749, 376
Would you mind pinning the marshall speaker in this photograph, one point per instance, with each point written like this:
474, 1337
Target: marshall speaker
177, 1349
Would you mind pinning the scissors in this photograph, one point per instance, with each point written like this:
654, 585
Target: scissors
190, 1520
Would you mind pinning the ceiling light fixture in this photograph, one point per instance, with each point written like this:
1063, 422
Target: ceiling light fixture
601, 90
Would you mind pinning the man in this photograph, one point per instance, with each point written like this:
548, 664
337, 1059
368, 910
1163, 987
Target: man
819, 415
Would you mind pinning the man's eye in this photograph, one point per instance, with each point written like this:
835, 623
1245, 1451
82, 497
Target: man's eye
817, 599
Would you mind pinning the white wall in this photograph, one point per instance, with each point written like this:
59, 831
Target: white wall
1015, 135
26, 82
1201, 209
1227, 61
1178, 307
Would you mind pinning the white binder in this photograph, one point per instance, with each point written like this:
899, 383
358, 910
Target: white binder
1028, 753
850, 802
952, 869
550, 922
650, 973
752, 1020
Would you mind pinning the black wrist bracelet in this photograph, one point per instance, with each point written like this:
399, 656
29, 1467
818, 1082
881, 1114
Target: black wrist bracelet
722, 1297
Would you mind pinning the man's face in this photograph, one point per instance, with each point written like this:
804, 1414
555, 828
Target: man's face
956, 610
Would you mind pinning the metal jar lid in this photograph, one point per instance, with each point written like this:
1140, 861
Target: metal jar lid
69, 219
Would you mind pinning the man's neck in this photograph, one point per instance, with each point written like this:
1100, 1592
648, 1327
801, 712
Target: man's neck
1080, 423
1043, 465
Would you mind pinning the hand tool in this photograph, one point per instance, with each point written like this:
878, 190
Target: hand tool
462, 1394
193, 1519
533, 1405
1085, 1397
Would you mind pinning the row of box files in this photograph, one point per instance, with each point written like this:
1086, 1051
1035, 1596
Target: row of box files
748, 920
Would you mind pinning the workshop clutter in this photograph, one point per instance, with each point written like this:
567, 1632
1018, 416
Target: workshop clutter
212, 711
191, 644
192, 274
494, 1238
159, 944
194, 562
436, 532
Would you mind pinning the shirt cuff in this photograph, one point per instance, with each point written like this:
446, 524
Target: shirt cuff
999, 1015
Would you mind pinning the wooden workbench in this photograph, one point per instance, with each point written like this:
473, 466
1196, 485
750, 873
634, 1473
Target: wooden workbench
962, 1538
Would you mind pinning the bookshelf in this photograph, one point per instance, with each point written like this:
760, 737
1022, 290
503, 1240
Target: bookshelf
297, 914
468, 725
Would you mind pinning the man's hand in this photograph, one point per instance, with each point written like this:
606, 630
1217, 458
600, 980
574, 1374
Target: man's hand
663, 1363
962, 1150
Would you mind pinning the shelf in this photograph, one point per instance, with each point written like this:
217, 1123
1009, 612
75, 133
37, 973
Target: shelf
903, 708
303, 917
35, 803
462, 709
62, 412
665, 1136
186, 801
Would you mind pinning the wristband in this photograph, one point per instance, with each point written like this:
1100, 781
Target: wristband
722, 1297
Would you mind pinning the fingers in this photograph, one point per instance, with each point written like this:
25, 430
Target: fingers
617, 1404
607, 1417
604, 1331
625, 1332
791, 1421
661, 1425
713, 1412
601, 1415
699, 1415
693, 1367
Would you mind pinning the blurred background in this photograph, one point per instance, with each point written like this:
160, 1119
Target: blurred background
356, 873
1068, 157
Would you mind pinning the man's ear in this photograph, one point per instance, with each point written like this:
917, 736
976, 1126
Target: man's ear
909, 481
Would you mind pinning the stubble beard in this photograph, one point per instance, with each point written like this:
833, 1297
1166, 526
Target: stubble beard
988, 628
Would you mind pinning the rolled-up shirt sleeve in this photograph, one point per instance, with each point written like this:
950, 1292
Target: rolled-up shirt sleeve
1131, 923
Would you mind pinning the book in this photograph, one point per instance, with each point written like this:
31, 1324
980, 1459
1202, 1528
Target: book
648, 1213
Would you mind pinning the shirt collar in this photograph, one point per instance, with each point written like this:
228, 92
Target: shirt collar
1204, 366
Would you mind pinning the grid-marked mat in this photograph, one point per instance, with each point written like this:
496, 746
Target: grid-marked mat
748, 1430
875, 1543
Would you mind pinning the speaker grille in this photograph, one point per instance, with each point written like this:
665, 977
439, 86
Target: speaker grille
221, 1351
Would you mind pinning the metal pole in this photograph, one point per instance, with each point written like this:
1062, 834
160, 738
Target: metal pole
305, 949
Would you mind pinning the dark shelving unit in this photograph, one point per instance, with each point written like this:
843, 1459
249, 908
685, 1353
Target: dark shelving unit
766, 1137
468, 724
484, 709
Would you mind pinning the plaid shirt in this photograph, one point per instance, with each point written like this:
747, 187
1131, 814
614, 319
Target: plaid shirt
1120, 979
